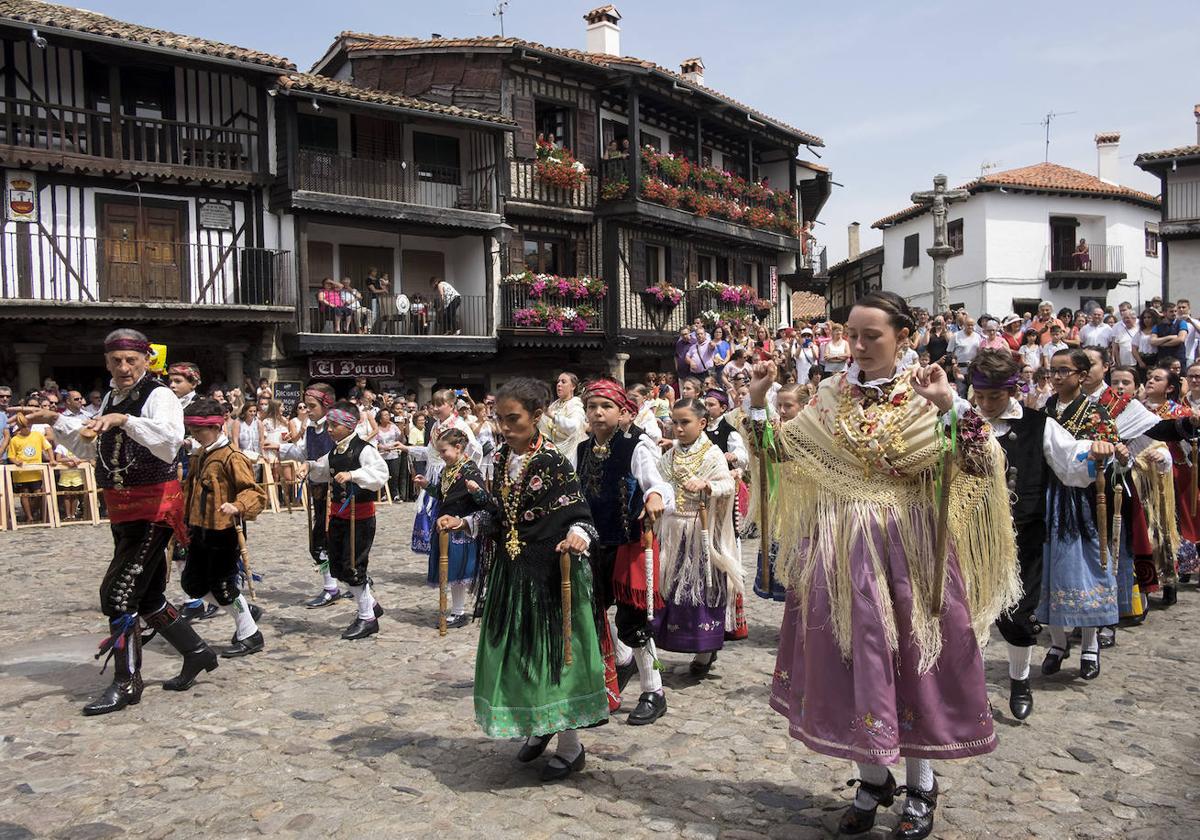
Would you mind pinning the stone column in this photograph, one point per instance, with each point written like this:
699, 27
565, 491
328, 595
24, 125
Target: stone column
235, 360
29, 368
616, 367
425, 389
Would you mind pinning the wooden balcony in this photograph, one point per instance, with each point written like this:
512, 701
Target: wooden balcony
422, 329
516, 302
58, 276
378, 186
60, 136
529, 195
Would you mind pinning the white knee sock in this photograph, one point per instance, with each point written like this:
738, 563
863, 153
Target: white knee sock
650, 678
365, 601
458, 597
875, 774
1058, 636
621, 651
1018, 662
1091, 643
240, 611
918, 775
331, 583
568, 745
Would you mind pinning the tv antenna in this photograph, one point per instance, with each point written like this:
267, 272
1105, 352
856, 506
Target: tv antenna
987, 166
501, 6
1045, 123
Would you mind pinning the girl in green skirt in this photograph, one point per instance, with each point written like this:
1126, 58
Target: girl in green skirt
523, 683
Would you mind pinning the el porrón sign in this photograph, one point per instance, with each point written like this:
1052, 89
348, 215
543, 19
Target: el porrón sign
351, 368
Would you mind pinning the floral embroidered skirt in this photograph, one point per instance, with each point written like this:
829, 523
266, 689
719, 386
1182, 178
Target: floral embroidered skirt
424, 523
692, 628
508, 704
875, 707
1076, 591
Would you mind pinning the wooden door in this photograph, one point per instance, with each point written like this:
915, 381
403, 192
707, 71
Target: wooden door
143, 253
1062, 243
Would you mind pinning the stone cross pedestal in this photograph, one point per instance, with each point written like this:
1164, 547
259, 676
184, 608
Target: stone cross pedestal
938, 199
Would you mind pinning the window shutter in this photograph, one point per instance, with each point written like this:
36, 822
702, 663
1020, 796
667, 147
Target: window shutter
912, 246
516, 253
585, 138
524, 141
583, 252
677, 266
637, 265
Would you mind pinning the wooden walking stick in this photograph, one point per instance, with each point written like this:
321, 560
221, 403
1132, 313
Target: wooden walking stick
241, 538
353, 556
1102, 516
648, 564
1195, 473
309, 511
942, 539
1118, 490
443, 579
564, 567
764, 519
705, 538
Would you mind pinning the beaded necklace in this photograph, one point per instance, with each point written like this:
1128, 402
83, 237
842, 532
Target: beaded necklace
511, 490
871, 426
450, 475
685, 465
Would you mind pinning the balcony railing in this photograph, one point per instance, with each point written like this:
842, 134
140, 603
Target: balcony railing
1098, 259
516, 299
813, 260
470, 318
66, 130
84, 269
390, 179
527, 187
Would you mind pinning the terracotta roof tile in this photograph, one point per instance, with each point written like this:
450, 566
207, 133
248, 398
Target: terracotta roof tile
50, 15
1041, 177
311, 83
1167, 154
807, 305
375, 43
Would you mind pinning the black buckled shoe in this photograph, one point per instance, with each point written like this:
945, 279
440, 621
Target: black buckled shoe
198, 612
360, 629
650, 707
1020, 698
197, 655
1052, 664
857, 820
1089, 668
323, 599
244, 647
625, 673
701, 669
558, 768
912, 826
532, 748
456, 621
1107, 637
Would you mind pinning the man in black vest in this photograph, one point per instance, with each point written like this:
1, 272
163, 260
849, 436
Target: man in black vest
135, 439
1035, 445
355, 471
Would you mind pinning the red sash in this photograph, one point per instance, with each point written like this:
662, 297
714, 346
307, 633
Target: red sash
362, 510
161, 504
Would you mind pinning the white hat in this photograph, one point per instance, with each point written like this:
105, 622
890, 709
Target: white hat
806, 330
1010, 318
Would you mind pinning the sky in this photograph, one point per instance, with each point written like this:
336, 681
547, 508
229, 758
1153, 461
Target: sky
899, 91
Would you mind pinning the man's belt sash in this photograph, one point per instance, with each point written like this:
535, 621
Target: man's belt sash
160, 504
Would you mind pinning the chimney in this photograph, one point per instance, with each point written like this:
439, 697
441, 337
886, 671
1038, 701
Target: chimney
853, 249
692, 69
1107, 143
603, 33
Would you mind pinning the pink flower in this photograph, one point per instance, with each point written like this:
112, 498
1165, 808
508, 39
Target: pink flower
535, 483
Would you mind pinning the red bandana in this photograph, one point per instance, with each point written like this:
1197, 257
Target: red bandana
609, 389
320, 396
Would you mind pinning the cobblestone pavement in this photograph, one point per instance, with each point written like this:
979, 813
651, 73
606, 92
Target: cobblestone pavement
317, 737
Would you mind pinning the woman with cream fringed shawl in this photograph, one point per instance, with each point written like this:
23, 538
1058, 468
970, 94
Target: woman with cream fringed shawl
869, 668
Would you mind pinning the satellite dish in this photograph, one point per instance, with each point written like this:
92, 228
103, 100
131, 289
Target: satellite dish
402, 304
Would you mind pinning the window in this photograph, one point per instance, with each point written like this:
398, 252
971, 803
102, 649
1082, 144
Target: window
1151, 239
750, 274
612, 132
553, 122
912, 251
436, 156
651, 140
706, 268
317, 133
954, 236
545, 255
656, 265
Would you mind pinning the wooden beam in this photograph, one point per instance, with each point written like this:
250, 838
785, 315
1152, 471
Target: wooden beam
633, 116
221, 262
114, 109
66, 261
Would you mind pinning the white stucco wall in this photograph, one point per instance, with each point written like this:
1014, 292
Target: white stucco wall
964, 273
1185, 269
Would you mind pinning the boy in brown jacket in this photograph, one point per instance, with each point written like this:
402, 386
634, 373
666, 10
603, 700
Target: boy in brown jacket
219, 492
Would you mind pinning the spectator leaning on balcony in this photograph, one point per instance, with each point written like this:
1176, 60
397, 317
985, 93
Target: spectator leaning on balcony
329, 304
447, 301
1081, 258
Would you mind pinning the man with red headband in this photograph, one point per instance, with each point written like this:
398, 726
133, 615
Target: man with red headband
135, 440
219, 493
183, 378
620, 479
315, 444
353, 471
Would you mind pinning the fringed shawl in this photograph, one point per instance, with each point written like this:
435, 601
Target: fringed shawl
851, 468
1156, 490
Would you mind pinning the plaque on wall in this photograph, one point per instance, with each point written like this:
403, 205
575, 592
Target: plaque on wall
214, 214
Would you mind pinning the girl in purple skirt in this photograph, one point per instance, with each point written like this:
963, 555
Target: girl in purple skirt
701, 574
878, 654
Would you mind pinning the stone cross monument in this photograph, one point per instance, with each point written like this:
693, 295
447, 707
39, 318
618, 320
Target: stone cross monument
938, 200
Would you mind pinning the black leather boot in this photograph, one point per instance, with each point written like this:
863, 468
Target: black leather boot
125, 647
197, 655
